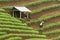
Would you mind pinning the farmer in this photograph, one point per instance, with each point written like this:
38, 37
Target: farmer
41, 26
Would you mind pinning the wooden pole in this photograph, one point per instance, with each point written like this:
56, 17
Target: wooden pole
13, 13
27, 15
20, 15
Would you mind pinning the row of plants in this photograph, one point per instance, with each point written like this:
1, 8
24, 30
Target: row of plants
15, 27
3, 33
36, 39
52, 25
18, 30
14, 38
44, 18
4, 16
56, 38
45, 8
8, 17
12, 23
36, 3
8, 0
2, 10
57, 31
30, 4
22, 35
12, 20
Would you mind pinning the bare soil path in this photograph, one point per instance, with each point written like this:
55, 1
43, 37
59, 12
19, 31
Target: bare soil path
52, 36
53, 20
15, 3
43, 5
46, 13
51, 29
36, 25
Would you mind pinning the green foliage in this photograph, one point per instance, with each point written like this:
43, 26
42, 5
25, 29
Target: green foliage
22, 35
51, 26
51, 32
44, 18
3, 33
16, 27
36, 3
15, 38
8, 0
36, 39
8, 7
18, 30
2, 10
45, 8
56, 38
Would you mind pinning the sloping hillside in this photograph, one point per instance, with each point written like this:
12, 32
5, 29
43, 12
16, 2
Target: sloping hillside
42, 10
11, 28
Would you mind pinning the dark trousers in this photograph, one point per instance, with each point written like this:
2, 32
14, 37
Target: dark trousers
40, 30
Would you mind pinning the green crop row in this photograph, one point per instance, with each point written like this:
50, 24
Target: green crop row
22, 35
7, 8
2, 10
51, 26
2, 13
5, 15
3, 33
15, 38
52, 32
12, 20
44, 18
30, 4
37, 39
45, 8
8, 0
16, 27
18, 30
8, 16
36, 3
12, 23
56, 38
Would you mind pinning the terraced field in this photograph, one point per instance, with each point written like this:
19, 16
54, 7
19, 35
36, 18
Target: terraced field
42, 10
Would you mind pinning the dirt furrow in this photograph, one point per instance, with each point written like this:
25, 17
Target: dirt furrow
54, 20
51, 29
53, 35
43, 5
44, 13
15, 3
36, 25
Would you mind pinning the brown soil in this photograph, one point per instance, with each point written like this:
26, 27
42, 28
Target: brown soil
43, 14
51, 29
43, 5
53, 20
4, 4
53, 35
